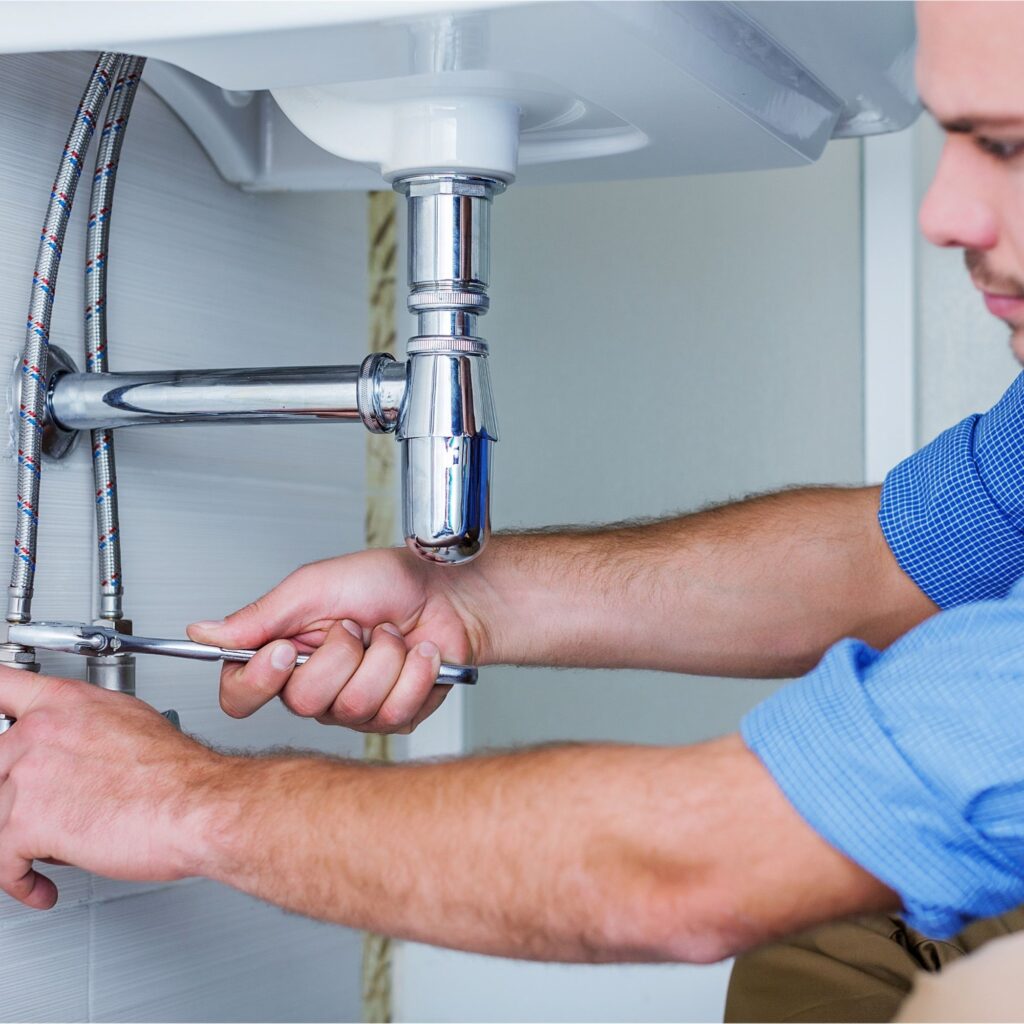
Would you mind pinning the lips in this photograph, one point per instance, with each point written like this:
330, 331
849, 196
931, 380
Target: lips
1006, 307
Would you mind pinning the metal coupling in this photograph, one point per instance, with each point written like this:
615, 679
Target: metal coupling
449, 250
16, 656
112, 613
378, 415
112, 672
13, 655
19, 606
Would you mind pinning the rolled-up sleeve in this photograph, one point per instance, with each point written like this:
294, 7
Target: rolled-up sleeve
911, 762
953, 513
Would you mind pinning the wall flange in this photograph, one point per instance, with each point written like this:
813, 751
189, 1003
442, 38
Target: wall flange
57, 441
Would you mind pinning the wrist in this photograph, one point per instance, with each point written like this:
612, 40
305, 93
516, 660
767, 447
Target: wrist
477, 593
213, 835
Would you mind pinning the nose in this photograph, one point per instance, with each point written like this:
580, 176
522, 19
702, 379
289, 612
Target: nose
955, 211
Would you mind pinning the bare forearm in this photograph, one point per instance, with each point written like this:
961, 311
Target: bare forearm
758, 588
589, 853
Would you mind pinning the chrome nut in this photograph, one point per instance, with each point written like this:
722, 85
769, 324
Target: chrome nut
16, 656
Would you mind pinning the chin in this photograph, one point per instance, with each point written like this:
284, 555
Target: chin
1017, 344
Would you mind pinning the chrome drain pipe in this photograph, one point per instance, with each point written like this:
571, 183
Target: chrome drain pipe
448, 425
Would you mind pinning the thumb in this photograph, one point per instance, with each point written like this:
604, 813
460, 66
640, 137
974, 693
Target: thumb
281, 612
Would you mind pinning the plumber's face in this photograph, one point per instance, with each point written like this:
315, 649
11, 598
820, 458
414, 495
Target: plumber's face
970, 73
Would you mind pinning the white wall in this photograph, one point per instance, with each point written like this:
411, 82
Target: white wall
656, 346
201, 275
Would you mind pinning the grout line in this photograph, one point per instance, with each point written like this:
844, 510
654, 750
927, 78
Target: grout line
382, 245
90, 962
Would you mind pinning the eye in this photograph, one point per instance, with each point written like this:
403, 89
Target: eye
1001, 149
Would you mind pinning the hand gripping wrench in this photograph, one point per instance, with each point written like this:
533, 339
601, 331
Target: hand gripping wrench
89, 639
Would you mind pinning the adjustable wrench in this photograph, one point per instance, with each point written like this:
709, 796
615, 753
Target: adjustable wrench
91, 640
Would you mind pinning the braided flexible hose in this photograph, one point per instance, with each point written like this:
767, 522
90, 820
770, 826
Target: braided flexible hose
37, 335
96, 255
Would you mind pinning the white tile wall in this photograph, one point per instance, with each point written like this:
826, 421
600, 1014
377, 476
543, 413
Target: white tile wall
201, 275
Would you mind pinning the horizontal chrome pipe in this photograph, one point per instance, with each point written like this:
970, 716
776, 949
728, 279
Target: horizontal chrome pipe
371, 393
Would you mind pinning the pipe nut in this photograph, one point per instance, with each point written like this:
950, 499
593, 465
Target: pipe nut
368, 394
446, 345
448, 298
451, 184
16, 656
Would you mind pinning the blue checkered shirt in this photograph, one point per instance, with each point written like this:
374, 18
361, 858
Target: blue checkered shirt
911, 761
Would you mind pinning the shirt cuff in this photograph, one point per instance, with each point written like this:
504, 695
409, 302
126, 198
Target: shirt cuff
953, 512
826, 747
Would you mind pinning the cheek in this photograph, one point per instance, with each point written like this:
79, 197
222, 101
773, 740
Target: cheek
1009, 213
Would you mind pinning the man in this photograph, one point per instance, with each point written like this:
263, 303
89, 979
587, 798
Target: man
878, 781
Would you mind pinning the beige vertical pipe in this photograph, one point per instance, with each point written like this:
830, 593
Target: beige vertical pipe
380, 531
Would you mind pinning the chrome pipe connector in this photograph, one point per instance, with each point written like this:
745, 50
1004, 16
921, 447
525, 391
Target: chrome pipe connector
112, 672
448, 425
379, 392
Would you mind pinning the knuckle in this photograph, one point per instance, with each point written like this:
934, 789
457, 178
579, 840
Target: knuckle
17, 888
353, 710
299, 577
388, 639
18, 818
391, 721
252, 610
262, 686
39, 726
231, 708
304, 704
238, 695
351, 644
70, 690
341, 654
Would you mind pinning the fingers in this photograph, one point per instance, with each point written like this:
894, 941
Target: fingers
17, 877
384, 688
432, 703
390, 685
315, 686
19, 880
283, 611
20, 691
413, 689
247, 687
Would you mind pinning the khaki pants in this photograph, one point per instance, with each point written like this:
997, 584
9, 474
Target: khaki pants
857, 970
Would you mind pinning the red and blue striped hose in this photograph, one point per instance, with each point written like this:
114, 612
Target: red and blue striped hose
37, 334
108, 156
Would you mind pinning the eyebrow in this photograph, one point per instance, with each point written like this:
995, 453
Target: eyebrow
967, 123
